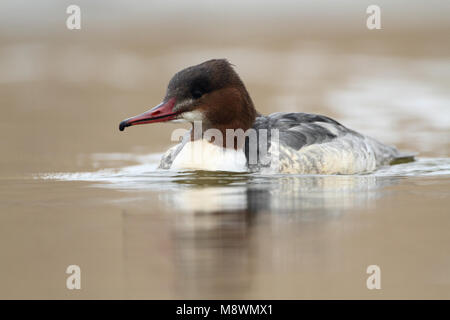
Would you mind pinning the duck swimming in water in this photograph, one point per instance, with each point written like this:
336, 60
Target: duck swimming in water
212, 94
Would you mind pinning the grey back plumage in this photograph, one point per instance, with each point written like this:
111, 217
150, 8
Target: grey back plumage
301, 129
311, 143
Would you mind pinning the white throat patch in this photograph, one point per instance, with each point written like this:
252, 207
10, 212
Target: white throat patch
192, 116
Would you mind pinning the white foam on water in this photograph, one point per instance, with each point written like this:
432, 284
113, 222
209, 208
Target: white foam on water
136, 176
193, 192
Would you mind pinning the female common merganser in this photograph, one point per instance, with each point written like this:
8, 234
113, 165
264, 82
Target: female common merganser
213, 95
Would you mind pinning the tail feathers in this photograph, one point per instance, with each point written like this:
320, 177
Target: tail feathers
404, 157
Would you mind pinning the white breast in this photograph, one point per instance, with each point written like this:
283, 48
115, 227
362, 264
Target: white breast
203, 155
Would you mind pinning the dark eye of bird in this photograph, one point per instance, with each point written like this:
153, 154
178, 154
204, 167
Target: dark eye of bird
196, 93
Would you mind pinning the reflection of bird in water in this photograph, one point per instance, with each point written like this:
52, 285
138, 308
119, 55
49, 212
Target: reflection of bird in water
212, 252
210, 192
212, 231
222, 225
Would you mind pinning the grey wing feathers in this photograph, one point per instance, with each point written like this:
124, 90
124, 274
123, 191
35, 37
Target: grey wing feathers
317, 144
297, 130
